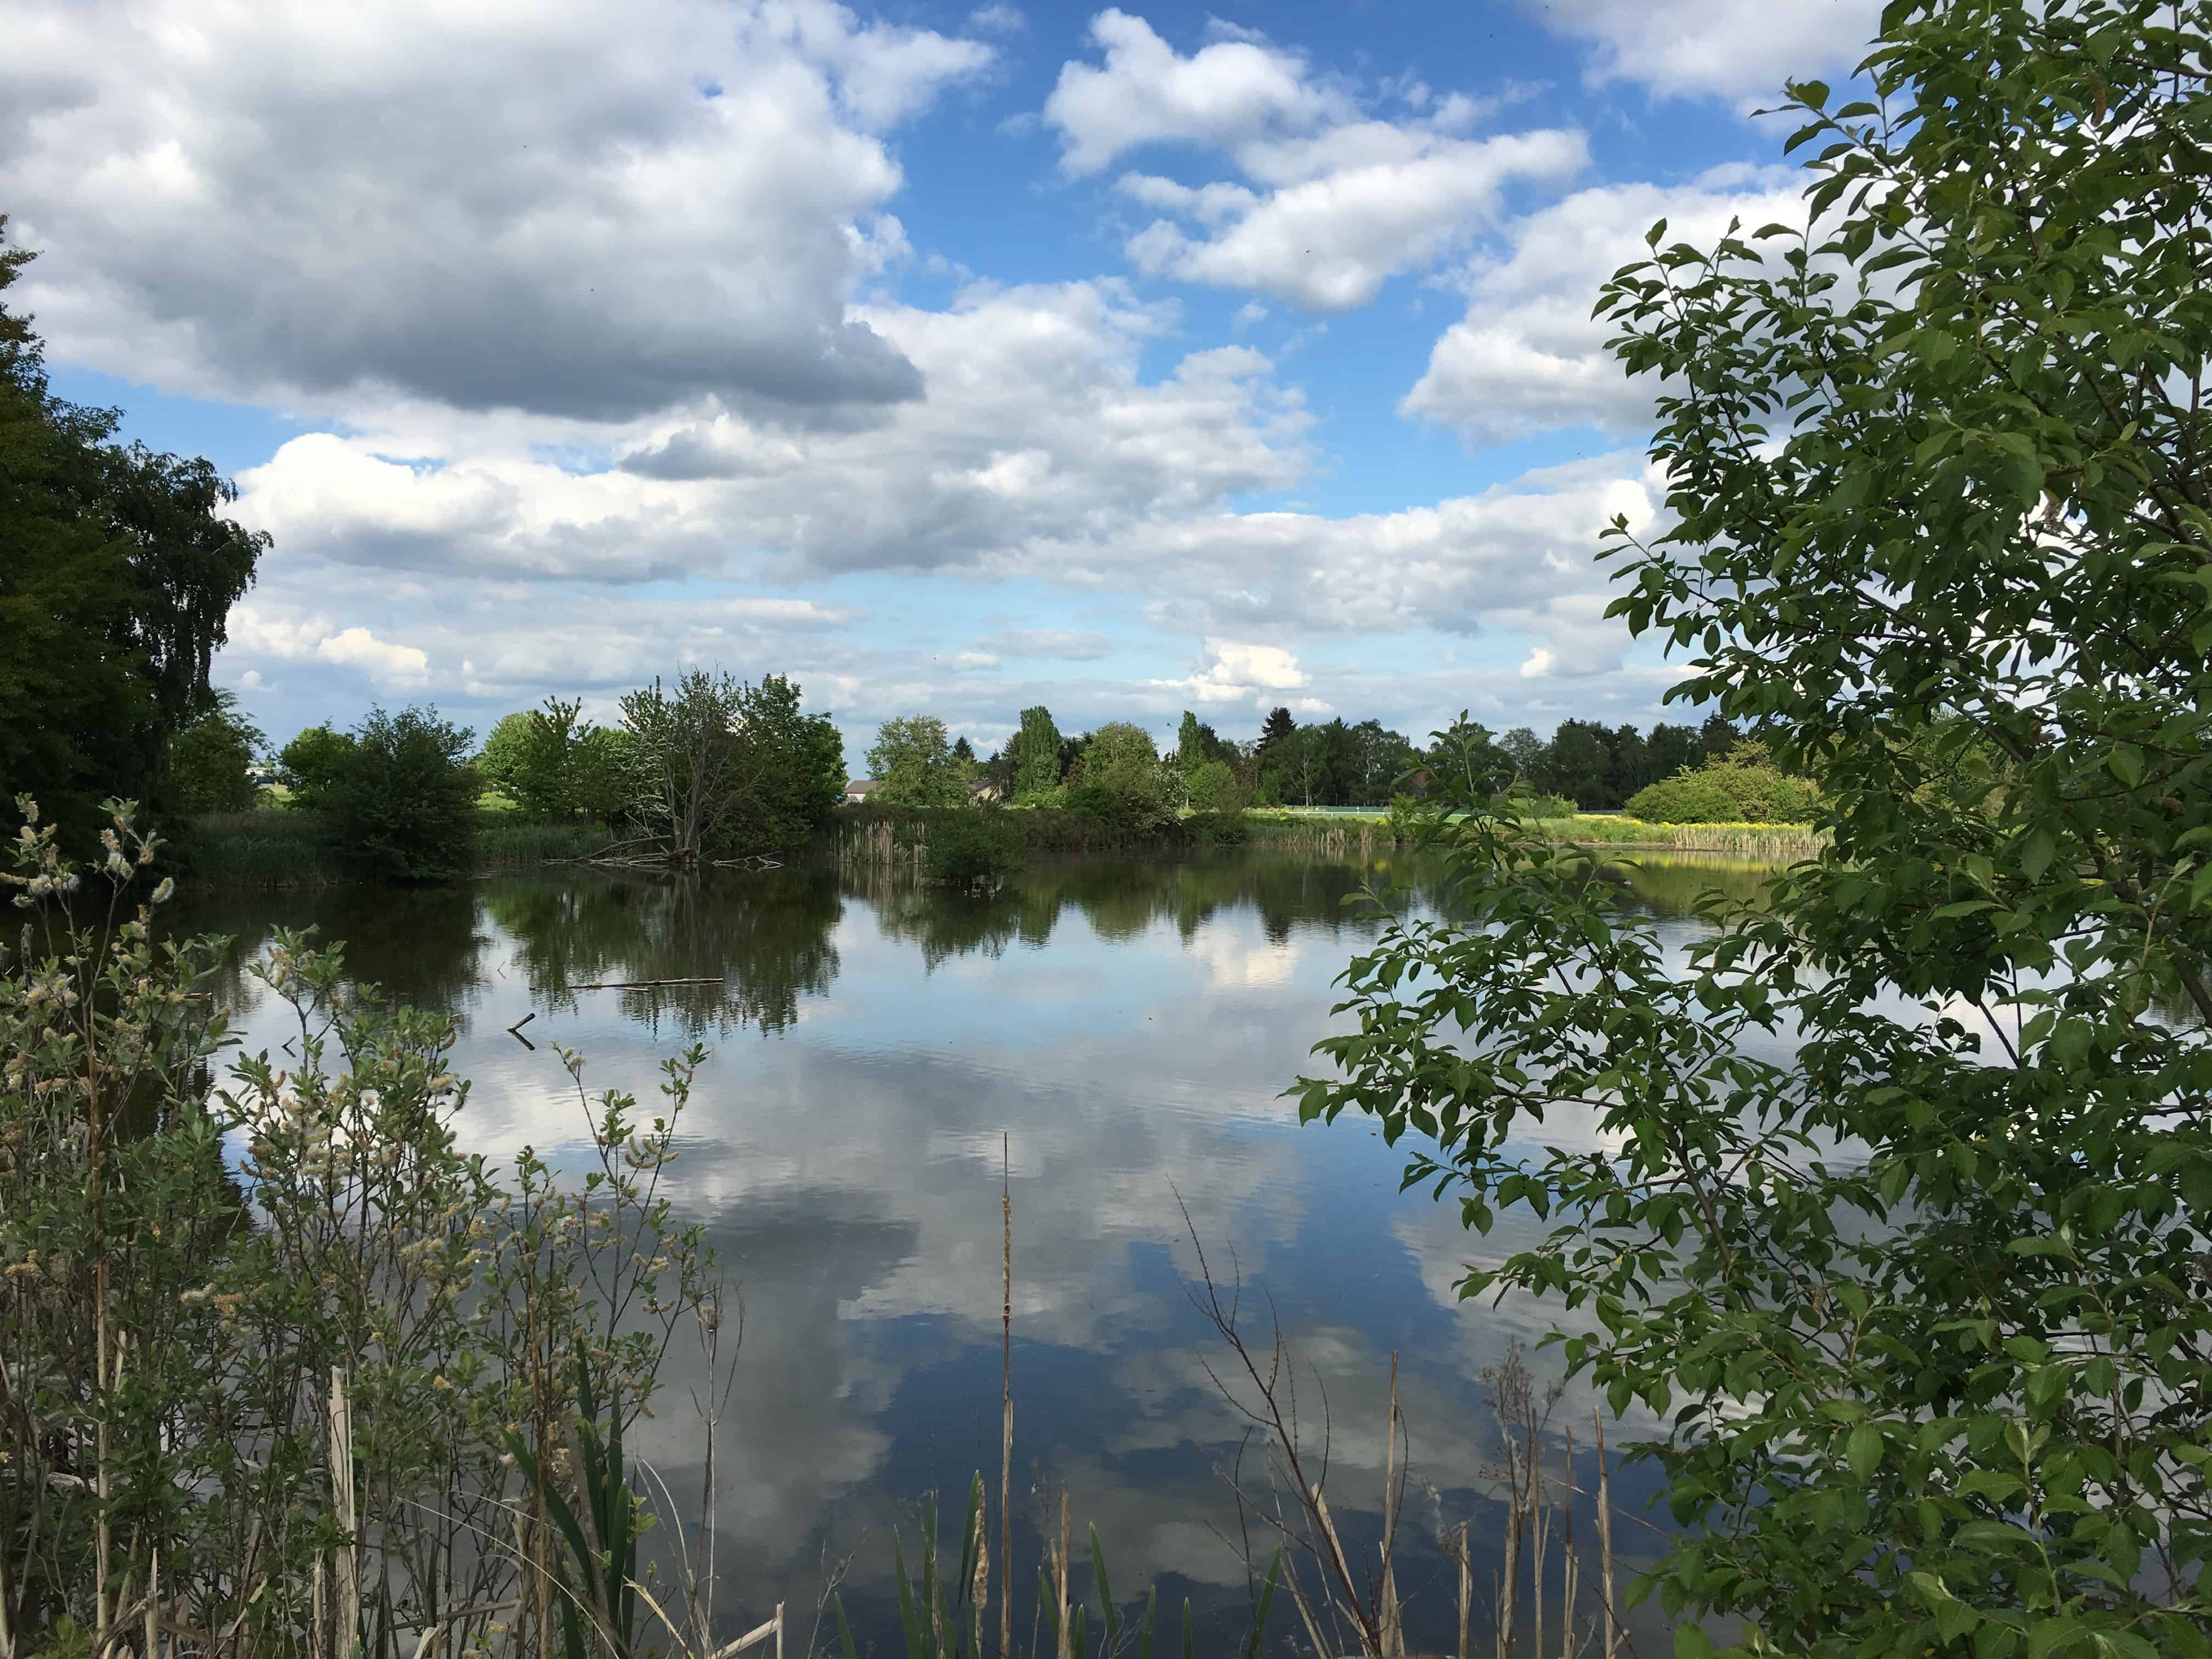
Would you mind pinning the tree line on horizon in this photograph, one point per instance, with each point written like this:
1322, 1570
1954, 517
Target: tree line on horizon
917, 763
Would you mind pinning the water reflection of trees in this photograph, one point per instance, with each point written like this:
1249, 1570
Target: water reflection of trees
1121, 901
763, 938
421, 943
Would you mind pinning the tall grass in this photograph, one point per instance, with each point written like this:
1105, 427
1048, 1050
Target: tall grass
503, 843
261, 849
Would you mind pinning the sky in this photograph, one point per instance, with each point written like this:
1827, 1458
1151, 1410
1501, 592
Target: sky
946, 359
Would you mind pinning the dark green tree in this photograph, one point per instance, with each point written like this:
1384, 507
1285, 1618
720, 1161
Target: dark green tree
310, 766
1669, 749
1575, 762
211, 759
1628, 767
404, 806
1716, 739
798, 766
117, 571
1901, 1227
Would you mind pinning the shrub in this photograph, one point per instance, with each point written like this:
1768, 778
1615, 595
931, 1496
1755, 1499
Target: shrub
975, 850
1745, 787
403, 808
1107, 808
1220, 829
1686, 798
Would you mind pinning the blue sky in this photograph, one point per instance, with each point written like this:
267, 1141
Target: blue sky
946, 359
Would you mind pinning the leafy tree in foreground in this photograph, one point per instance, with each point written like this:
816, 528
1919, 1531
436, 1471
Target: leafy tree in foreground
1923, 1305
403, 806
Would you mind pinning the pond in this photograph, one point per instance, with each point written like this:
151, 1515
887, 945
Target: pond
1110, 1038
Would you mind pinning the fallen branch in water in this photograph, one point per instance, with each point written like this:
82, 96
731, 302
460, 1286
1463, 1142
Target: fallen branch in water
644, 984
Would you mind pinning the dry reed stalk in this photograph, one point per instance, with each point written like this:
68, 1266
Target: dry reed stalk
1466, 1589
347, 1572
1066, 1544
1391, 1638
1612, 1631
1305, 1608
1007, 1423
1567, 1584
1540, 1535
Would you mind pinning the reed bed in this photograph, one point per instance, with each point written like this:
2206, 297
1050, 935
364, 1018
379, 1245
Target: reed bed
261, 850
876, 844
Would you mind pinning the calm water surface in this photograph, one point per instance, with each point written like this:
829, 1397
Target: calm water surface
1124, 1031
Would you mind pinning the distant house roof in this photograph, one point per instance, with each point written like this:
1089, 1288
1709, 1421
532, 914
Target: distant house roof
862, 786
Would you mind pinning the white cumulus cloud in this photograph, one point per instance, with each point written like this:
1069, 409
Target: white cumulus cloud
1334, 200
1144, 92
1528, 356
1741, 50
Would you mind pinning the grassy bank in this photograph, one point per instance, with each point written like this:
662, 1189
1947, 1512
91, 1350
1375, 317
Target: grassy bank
1350, 833
883, 833
288, 848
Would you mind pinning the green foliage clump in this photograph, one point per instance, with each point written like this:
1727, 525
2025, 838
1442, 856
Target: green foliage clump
403, 805
1902, 1222
1745, 786
211, 759
975, 850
